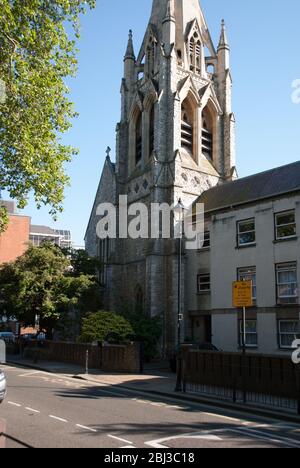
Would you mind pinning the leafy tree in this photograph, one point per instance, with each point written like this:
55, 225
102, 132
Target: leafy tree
37, 53
3, 219
39, 284
105, 326
147, 330
82, 263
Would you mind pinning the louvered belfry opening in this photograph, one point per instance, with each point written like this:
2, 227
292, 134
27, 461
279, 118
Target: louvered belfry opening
187, 130
192, 54
195, 50
198, 57
207, 135
138, 139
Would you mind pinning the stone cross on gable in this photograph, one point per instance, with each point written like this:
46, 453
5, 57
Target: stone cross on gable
108, 152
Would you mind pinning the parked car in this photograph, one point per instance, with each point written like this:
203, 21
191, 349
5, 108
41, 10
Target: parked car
28, 337
41, 336
2, 386
8, 337
193, 346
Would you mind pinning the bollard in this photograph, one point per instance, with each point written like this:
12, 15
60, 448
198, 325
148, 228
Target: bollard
2, 352
87, 363
178, 387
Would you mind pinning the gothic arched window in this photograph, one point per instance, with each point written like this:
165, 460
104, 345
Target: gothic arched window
195, 53
151, 130
198, 57
103, 256
192, 53
151, 56
207, 134
187, 127
138, 138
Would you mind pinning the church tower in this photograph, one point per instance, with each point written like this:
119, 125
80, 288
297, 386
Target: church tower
175, 140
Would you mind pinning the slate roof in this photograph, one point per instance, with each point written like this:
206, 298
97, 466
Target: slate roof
34, 229
269, 184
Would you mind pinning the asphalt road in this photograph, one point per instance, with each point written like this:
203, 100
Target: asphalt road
54, 411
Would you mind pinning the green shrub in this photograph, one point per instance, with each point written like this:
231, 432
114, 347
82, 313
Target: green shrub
105, 326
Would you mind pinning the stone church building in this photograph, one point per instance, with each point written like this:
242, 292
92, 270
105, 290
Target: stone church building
175, 140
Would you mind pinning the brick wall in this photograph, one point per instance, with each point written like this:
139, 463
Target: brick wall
121, 358
14, 241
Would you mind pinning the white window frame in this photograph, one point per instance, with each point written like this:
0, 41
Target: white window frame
240, 234
246, 274
279, 269
278, 226
203, 291
206, 239
248, 345
280, 333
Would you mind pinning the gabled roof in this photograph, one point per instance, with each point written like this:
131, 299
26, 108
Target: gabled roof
269, 184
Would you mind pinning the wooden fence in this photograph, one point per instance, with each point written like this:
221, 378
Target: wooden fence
118, 358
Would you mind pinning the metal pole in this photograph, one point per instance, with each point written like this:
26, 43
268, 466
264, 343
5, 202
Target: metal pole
179, 290
244, 355
87, 362
178, 387
244, 331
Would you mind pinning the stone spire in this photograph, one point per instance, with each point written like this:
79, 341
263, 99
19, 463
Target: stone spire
223, 51
182, 11
223, 43
170, 13
169, 26
130, 49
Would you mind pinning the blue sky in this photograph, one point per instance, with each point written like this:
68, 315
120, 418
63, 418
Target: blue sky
264, 39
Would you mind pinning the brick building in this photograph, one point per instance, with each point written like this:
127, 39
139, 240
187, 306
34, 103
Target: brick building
14, 241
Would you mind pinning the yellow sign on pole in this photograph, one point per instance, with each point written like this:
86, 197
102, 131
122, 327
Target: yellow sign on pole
242, 294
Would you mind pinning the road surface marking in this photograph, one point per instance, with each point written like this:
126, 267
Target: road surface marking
58, 419
159, 442
120, 439
86, 428
32, 410
174, 407
28, 374
264, 436
158, 404
14, 404
220, 416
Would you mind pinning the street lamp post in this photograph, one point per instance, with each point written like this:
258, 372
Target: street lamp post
179, 208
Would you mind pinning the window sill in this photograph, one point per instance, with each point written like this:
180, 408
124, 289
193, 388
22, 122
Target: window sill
287, 350
280, 306
204, 293
288, 239
247, 246
249, 348
205, 249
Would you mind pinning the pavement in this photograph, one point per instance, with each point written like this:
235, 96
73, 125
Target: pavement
156, 380
55, 410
